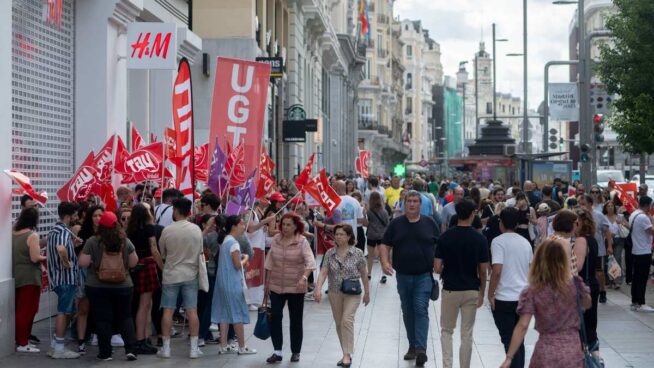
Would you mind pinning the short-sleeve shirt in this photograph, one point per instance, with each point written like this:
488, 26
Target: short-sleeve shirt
351, 211
94, 248
447, 212
347, 268
461, 249
392, 195
514, 253
141, 240
640, 236
601, 224
57, 273
412, 243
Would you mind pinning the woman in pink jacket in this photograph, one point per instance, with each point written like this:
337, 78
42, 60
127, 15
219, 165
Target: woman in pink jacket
288, 266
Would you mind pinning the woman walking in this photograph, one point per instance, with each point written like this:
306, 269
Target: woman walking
344, 264
377, 222
552, 298
288, 266
141, 232
26, 266
619, 228
111, 299
228, 305
527, 217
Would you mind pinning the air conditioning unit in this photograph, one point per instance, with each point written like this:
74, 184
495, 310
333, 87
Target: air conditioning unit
509, 150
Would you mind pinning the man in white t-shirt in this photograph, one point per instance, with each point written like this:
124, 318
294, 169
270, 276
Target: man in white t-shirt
351, 210
163, 213
642, 232
511, 258
373, 186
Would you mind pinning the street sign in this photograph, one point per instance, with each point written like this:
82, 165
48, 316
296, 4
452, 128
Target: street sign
563, 101
276, 65
423, 163
151, 45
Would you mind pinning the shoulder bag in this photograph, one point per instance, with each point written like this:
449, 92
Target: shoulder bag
589, 360
203, 275
349, 286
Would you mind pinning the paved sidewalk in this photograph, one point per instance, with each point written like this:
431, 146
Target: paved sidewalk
627, 339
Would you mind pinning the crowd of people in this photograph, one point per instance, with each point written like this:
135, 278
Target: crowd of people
127, 277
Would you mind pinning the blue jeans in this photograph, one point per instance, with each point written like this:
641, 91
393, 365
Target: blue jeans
414, 293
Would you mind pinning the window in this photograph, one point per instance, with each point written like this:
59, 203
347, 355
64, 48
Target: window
380, 39
489, 107
409, 105
409, 52
409, 81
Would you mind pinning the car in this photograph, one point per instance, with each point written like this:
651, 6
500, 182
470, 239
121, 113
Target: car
603, 177
649, 180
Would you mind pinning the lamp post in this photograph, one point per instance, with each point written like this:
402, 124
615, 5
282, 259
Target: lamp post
462, 68
525, 109
494, 73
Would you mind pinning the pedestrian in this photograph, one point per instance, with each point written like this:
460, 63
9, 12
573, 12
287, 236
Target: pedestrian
603, 237
563, 224
509, 276
110, 299
412, 237
180, 246
642, 232
464, 252
351, 209
392, 194
360, 234
27, 275
526, 217
377, 222
552, 297
163, 213
210, 247
288, 265
344, 264
543, 213
228, 305
141, 232
63, 275
449, 210
619, 231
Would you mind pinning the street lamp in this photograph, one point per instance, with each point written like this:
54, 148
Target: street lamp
494, 73
462, 66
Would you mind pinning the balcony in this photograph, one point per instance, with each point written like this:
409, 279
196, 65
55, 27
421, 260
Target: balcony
385, 131
383, 19
382, 53
366, 123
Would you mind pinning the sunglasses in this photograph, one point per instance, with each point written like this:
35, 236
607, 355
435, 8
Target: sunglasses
124, 218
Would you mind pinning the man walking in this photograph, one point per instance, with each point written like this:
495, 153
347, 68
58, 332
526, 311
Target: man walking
412, 238
63, 271
449, 211
180, 245
511, 258
462, 261
642, 232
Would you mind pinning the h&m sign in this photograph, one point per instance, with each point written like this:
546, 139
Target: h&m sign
151, 45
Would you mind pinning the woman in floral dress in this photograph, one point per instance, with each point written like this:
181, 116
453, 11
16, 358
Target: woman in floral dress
551, 298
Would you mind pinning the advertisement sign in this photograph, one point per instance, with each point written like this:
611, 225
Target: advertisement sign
151, 45
544, 172
238, 107
563, 101
294, 131
276, 65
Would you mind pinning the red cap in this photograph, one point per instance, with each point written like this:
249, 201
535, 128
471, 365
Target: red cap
157, 193
277, 196
108, 219
297, 200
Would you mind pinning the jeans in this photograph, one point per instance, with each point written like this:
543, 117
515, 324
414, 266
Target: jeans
112, 306
451, 303
414, 293
295, 311
641, 274
506, 318
204, 309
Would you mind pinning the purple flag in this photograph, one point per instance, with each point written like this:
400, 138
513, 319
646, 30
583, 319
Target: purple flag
217, 177
244, 198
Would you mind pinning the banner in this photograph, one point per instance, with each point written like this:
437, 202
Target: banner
323, 193
82, 183
305, 175
626, 193
136, 139
142, 164
238, 107
362, 163
202, 162
26, 187
563, 101
103, 161
183, 119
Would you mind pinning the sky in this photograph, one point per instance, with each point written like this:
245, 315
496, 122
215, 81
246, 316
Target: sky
459, 25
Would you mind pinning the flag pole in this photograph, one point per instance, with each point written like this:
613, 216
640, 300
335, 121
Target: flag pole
289, 201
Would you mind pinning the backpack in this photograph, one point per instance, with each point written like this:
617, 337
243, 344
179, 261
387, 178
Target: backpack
112, 268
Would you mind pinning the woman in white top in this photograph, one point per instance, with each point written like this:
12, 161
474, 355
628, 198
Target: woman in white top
619, 228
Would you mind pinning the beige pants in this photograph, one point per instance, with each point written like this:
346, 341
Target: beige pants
451, 303
344, 308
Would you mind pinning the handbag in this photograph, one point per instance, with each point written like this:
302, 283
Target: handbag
203, 276
351, 287
264, 315
589, 359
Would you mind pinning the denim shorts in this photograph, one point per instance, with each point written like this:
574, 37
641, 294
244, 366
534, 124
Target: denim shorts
189, 291
66, 298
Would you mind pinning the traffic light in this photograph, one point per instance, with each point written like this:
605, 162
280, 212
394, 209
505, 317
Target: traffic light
561, 143
585, 153
553, 138
399, 170
598, 125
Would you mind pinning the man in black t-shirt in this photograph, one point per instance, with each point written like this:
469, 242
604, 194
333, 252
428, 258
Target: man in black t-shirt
412, 238
462, 260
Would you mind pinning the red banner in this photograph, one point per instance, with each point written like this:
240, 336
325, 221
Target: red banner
26, 187
82, 183
323, 193
142, 164
362, 163
183, 118
202, 162
137, 140
238, 108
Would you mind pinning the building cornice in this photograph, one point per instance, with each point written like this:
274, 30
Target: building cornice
126, 11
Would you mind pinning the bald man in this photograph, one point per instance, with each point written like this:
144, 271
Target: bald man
351, 210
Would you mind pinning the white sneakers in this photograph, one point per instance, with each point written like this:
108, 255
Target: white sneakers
644, 308
164, 352
64, 354
195, 353
213, 327
227, 350
117, 341
29, 348
246, 351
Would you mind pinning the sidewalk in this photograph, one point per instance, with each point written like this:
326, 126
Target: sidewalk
627, 339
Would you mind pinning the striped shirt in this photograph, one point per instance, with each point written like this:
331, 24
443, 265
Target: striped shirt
57, 273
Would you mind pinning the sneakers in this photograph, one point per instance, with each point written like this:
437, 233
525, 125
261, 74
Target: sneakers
130, 357
227, 350
65, 354
94, 340
105, 359
253, 308
295, 357
309, 297
213, 327
246, 351
644, 308
274, 359
212, 341
117, 341
27, 349
33, 340
144, 349
410, 354
421, 358
602, 297
201, 343
195, 353
164, 353
81, 349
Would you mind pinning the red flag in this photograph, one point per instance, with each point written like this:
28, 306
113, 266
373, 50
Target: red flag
137, 140
305, 175
323, 193
142, 164
362, 163
238, 107
235, 166
266, 162
266, 185
108, 197
183, 118
26, 187
626, 194
170, 140
103, 160
202, 162
83, 182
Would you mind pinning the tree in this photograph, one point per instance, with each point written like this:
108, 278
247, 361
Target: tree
627, 69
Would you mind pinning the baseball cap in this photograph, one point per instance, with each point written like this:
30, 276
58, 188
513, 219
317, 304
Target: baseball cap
108, 219
277, 196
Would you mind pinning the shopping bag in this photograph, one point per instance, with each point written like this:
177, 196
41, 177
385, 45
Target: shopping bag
203, 276
614, 270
